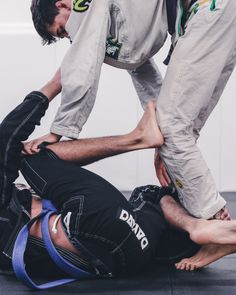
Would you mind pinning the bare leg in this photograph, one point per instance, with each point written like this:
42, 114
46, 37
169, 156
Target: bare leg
86, 151
217, 237
176, 215
206, 255
201, 231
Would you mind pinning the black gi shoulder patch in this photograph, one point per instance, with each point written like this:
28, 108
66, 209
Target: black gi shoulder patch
81, 5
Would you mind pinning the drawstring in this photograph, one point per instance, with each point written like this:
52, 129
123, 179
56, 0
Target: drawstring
66, 221
54, 226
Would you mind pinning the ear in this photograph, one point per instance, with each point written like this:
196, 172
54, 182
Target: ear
63, 4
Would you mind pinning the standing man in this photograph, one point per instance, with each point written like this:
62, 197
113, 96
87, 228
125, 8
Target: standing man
200, 66
110, 31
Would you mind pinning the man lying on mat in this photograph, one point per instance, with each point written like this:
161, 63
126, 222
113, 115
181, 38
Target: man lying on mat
96, 228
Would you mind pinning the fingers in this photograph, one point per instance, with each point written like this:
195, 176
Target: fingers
31, 147
225, 214
166, 176
161, 177
161, 172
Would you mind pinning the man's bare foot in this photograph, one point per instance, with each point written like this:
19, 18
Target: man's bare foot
223, 214
147, 129
206, 255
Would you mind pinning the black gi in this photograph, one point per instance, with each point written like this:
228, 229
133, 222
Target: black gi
113, 235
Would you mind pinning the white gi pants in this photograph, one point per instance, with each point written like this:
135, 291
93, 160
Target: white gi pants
200, 67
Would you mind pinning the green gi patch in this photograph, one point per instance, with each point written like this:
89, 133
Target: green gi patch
81, 5
113, 48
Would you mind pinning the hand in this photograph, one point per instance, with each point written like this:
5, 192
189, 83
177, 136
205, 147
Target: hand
161, 171
31, 147
223, 214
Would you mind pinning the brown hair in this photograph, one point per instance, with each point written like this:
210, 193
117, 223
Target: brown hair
43, 15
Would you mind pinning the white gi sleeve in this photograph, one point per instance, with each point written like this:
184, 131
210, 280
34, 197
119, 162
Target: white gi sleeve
147, 81
80, 70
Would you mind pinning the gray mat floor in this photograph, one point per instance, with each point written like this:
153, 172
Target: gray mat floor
218, 278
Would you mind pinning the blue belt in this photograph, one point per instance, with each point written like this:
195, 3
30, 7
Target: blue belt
20, 247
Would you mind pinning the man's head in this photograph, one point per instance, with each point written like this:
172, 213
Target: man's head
50, 18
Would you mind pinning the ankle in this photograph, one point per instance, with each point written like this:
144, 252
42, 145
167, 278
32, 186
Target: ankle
199, 231
137, 139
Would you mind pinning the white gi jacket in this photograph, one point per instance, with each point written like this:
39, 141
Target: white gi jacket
121, 33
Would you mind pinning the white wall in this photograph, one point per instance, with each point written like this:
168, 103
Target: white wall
25, 65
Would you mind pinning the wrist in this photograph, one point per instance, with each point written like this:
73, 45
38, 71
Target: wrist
51, 89
56, 136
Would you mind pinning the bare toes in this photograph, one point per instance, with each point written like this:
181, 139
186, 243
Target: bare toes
177, 265
193, 267
183, 266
